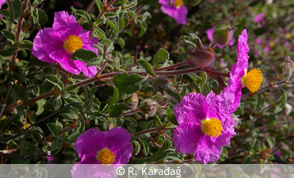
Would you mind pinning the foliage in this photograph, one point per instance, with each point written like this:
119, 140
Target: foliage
142, 64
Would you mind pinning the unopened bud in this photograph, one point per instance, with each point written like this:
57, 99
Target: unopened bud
132, 101
223, 33
204, 57
149, 107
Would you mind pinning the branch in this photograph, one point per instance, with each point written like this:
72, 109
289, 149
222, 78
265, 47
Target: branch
36, 123
4, 104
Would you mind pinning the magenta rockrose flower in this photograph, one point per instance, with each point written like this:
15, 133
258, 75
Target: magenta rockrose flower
259, 17
205, 125
176, 10
110, 148
238, 75
57, 44
209, 34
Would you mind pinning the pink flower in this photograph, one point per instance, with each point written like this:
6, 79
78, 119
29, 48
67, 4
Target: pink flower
209, 34
258, 17
111, 148
205, 125
57, 44
176, 10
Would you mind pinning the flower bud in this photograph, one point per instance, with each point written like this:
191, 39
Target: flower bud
202, 56
223, 33
149, 107
132, 101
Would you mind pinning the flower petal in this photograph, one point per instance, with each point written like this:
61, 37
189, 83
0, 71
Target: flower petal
206, 151
193, 108
186, 137
63, 58
90, 141
45, 42
64, 21
179, 14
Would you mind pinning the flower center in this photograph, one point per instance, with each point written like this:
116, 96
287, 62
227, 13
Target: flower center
178, 3
212, 127
73, 43
252, 80
106, 156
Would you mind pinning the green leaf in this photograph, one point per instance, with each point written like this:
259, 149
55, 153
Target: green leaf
283, 98
147, 67
113, 25
196, 2
77, 131
27, 148
55, 147
271, 141
133, 15
52, 128
143, 28
43, 18
15, 6
35, 15
116, 110
137, 147
84, 14
55, 81
99, 5
114, 98
88, 97
10, 36
174, 95
161, 56
121, 42
127, 83
83, 55
40, 106
26, 44
130, 4
260, 103
145, 145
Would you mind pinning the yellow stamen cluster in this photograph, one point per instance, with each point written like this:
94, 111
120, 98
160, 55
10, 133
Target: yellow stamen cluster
178, 3
212, 127
252, 80
73, 43
106, 156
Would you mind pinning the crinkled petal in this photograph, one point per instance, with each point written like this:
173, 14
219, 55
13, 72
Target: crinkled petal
193, 108
87, 71
186, 137
88, 41
223, 139
90, 141
45, 43
63, 58
64, 21
207, 151
179, 14
90, 167
118, 141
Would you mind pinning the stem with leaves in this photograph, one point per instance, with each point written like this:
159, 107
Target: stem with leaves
18, 35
